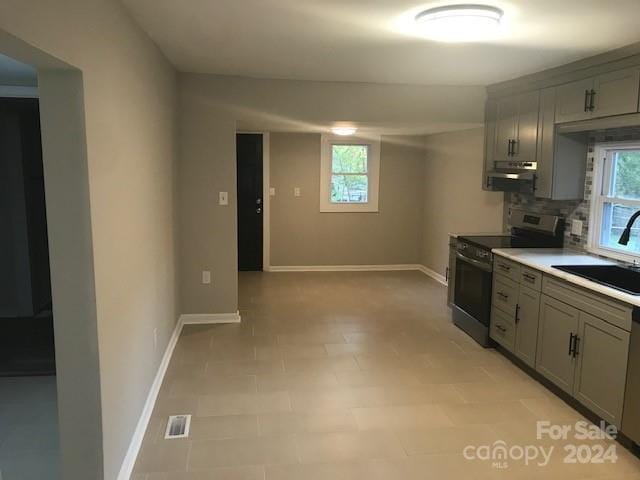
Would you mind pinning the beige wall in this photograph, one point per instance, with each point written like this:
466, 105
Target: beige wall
302, 235
129, 102
454, 200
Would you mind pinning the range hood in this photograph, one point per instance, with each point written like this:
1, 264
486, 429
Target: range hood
512, 177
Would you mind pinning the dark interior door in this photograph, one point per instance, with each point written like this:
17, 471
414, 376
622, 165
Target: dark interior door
249, 160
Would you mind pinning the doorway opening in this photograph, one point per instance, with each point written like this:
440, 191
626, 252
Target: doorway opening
251, 208
27, 343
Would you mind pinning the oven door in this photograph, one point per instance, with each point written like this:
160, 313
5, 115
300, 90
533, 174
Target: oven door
473, 288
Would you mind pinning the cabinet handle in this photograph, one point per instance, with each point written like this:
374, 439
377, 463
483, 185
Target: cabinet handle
446, 275
528, 277
592, 101
571, 344
501, 328
503, 295
508, 148
504, 267
587, 101
517, 312
576, 344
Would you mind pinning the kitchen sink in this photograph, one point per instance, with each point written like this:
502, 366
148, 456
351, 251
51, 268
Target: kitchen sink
624, 279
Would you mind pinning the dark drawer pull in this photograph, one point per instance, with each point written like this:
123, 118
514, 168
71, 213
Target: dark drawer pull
504, 267
529, 278
502, 295
501, 328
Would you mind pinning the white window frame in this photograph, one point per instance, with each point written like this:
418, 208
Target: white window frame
373, 173
602, 172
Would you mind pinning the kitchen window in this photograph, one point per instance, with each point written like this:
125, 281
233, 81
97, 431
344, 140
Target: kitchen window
349, 174
616, 197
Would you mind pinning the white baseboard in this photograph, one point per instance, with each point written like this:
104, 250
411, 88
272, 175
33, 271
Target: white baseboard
359, 268
433, 274
143, 422
344, 268
136, 441
195, 318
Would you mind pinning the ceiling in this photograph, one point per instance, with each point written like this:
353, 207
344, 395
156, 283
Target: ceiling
364, 40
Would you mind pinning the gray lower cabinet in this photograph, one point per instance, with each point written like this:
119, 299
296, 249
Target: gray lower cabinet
558, 323
600, 379
584, 356
527, 313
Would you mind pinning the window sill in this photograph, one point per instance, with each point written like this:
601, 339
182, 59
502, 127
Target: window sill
613, 254
348, 208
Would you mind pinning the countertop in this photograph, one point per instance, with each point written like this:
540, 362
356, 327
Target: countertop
543, 258
484, 234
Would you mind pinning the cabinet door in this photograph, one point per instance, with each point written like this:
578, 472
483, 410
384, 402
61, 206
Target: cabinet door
601, 371
527, 314
506, 118
558, 321
571, 103
616, 92
527, 127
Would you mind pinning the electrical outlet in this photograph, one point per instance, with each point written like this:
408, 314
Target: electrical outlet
223, 198
296, 192
576, 227
272, 192
206, 277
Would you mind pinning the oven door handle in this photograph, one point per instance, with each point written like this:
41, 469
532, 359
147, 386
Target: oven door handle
475, 263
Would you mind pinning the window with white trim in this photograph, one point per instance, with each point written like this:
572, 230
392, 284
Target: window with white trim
616, 197
349, 174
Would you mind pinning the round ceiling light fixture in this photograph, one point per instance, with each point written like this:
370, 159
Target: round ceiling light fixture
460, 23
344, 131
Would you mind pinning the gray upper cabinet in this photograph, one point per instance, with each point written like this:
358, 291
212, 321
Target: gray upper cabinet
572, 102
527, 313
516, 128
616, 93
526, 140
602, 351
609, 94
506, 128
558, 325
561, 158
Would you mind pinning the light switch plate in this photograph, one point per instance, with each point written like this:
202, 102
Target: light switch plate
206, 277
223, 198
576, 227
296, 192
272, 192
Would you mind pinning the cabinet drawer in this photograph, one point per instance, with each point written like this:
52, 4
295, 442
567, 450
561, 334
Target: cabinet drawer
502, 329
505, 295
531, 278
617, 314
507, 268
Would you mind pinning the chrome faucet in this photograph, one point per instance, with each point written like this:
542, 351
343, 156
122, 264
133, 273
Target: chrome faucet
624, 238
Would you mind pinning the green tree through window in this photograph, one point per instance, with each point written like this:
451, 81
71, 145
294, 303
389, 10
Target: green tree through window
349, 174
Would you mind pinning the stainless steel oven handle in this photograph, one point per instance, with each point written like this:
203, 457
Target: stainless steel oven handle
475, 263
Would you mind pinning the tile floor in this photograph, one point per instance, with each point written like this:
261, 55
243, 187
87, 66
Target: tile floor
350, 376
28, 428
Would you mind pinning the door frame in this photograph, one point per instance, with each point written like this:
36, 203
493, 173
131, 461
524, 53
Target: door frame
266, 198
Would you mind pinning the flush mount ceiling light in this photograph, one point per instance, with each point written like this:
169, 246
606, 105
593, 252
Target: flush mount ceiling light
459, 23
344, 131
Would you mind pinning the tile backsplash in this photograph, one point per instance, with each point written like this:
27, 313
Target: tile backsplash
573, 209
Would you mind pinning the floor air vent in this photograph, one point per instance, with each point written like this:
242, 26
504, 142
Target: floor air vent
178, 427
